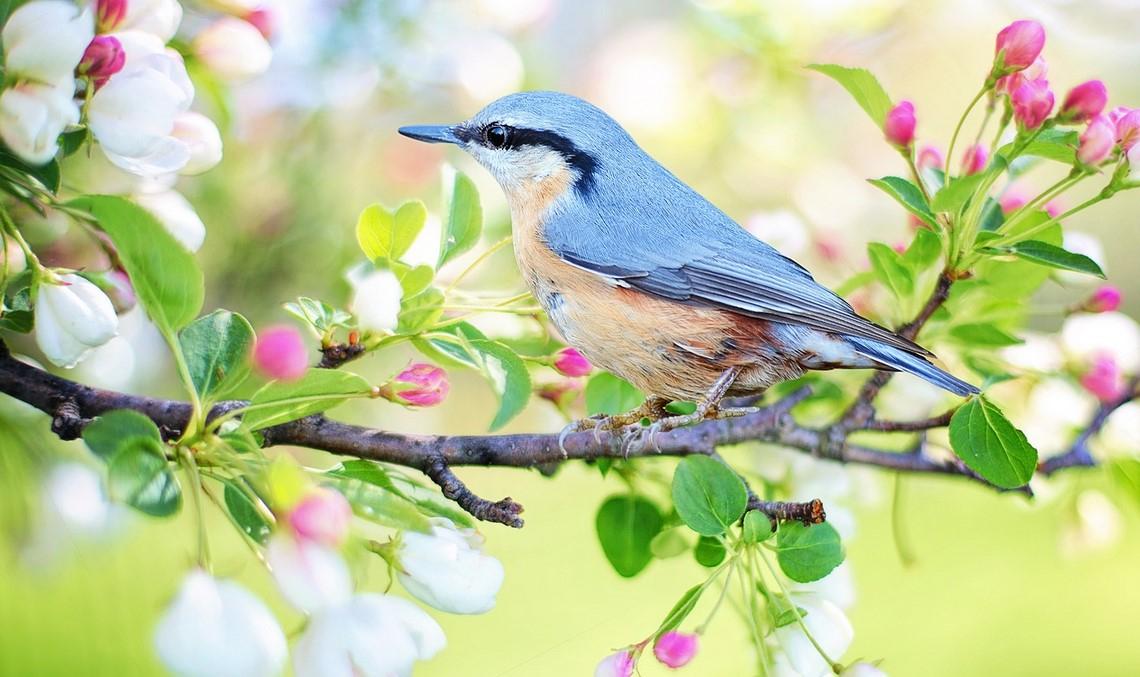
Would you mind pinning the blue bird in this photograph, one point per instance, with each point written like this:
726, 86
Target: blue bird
649, 280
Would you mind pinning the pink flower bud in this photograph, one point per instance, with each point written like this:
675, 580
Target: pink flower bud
280, 353
675, 649
1054, 208
930, 157
1104, 380
1018, 45
1104, 300
899, 125
1038, 70
104, 57
321, 516
263, 19
1084, 102
975, 159
1032, 103
420, 385
1011, 201
561, 393
109, 14
619, 664
569, 362
1127, 127
117, 286
1097, 141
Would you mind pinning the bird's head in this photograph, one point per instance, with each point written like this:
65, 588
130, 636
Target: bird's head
533, 140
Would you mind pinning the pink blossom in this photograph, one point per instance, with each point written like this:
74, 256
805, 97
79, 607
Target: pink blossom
1127, 122
1104, 300
1032, 103
264, 20
569, 362
104, 57
1018, 45
321, 516
975, 159
1054, 208
280, 353
675, 649
899, 125
1104, 379
1038, 70
109, 15
1097, 141
618, 664
1012, 200
420, 385
930, 157
1084, 102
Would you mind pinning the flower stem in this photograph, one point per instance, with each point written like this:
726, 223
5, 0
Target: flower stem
796, 612
958, 129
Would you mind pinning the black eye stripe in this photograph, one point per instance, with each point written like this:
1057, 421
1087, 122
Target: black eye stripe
521, 137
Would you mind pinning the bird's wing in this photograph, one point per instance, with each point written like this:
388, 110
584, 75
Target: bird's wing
701, 256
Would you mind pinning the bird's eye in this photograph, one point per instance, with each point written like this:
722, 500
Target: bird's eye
497, 136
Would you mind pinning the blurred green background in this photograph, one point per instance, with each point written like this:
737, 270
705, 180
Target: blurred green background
715, 89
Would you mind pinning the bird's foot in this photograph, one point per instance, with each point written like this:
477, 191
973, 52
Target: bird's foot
653, 409
643, 438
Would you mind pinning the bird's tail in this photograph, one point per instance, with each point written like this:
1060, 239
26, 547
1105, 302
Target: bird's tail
893, 358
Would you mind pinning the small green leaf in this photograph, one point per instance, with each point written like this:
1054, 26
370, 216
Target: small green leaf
671, 542
46, 174
953, 197
990, 445
322, 316
241, 439
365, 471
414, 280
19, 321
464, 220
420, 311
909, 196
448, 345
888, 267
923, 252
710, 551
245, 513
408, 222
808, 554
374, 232
608, 394
115, 430
217, 348
757, 527
318, 390
626, 525
1053, 256
783, 615
1059, 145
681, 610
863, 86
140, 476
708, 495
984, 335
166, 279
381, 505
508, 376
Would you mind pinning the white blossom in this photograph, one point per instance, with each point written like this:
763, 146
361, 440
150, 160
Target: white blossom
160, 18
45, 39
177, 215
311, 576
233, 49
1086, 336
202, 139
217, 628
827, 624
34, 114
376, 302
447, 569
72, 318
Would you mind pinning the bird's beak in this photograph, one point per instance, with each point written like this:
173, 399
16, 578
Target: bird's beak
431, 133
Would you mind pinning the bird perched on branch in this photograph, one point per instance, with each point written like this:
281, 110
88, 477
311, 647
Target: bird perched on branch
650, 281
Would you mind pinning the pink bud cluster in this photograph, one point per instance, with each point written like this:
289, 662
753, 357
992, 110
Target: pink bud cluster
1104, 379
1104, 300
673, 649
569, 362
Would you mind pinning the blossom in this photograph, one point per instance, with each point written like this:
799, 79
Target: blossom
104, 57
827, 624
899, 125
930, 157
234, 49
420, 385
1032, 103
1097, 141
73, 317
1104, 379
311, 576
202, 139
264, 19
1133, 165
1127, 122
569, 362
618, 664
45, 39
217, 627
1086, 337
321, 516
675, 649
372, 635
177, 215
974, 160
1084, 102
446, 569
280, 352
33, 115
863, 669
117, 286
159, 18
1038, 70
109, 14
376, 302
1018, 45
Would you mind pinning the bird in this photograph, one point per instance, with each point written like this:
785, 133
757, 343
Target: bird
650, 281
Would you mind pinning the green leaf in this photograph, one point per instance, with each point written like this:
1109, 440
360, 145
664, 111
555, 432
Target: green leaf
318, 390
710, 551
863, 86
708, 495
909, 196
681, 610
115, 430
383, 235
381, 505
1059, 145
888, 267
1052, 256
245, 513
19, 321
984, 335
448, 345
953, 197
421, 311
414, 280
140, 476
808, 554
508, 376
923, 252
217, 349
608, 394
671, 542
365, 471
990, 445
46, 174
464, 220
757, 527
409, 221
626, 525
166, 279
322, 316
